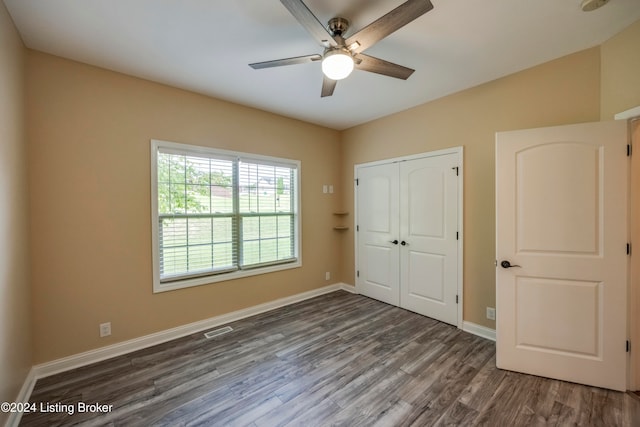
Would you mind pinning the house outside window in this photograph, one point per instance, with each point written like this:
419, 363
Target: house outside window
219, 215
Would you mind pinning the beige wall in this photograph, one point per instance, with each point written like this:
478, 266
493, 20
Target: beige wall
620, 84
89, 132
559, 92
15, 328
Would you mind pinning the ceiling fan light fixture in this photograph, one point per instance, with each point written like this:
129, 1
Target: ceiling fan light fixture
337, 64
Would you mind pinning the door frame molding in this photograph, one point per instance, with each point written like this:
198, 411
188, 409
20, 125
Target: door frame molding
459, 150
634, 263
632, 116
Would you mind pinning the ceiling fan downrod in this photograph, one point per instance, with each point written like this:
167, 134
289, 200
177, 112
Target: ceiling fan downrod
338, 26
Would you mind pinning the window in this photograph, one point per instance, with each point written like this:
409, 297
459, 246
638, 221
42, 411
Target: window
219, 215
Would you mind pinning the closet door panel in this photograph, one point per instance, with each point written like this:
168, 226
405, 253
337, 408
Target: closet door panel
428, 226
377, 209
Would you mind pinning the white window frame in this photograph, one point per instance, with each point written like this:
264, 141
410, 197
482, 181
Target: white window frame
158, 285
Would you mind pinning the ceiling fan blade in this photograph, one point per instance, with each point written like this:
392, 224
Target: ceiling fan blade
308, 20
286, 61
380, 66
328, 86
392, 21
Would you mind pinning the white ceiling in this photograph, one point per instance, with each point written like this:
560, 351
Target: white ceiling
205, 46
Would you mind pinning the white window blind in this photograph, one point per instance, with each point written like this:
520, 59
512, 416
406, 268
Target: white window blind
219, 213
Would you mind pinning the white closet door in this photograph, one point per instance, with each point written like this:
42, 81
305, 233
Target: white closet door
377, 207
428, 233
408, 252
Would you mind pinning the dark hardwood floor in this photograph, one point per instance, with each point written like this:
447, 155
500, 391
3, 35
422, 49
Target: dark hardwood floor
338, 359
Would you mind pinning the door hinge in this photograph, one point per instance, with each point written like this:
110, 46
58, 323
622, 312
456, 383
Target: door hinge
357, 181
628, 150
456, 168
358, 273
628, 346
457, 235
628, 248
357, 228
456, 299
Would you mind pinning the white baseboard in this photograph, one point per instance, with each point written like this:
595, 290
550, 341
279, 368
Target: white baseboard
23, 397
92, 356
479, 330
348, 288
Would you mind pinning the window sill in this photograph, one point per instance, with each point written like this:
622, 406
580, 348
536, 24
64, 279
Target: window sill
206, 280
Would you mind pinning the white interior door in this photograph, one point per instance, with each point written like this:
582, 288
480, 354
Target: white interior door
561, 223
377, 257
429, 233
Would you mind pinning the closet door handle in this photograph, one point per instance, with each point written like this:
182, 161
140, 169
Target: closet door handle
395, 242
403, 243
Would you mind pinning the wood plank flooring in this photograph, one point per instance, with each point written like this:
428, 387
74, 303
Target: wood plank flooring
338, 359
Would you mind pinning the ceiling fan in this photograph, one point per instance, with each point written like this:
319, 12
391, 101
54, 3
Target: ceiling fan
342, 55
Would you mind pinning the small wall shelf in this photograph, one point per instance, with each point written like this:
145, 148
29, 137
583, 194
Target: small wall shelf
341, 227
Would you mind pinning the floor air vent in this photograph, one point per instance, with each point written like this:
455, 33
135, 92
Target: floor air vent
218, 332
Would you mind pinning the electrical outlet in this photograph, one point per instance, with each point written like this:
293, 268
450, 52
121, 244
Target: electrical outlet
105, 329
325, 189
327, 275
330, 189
491, 313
